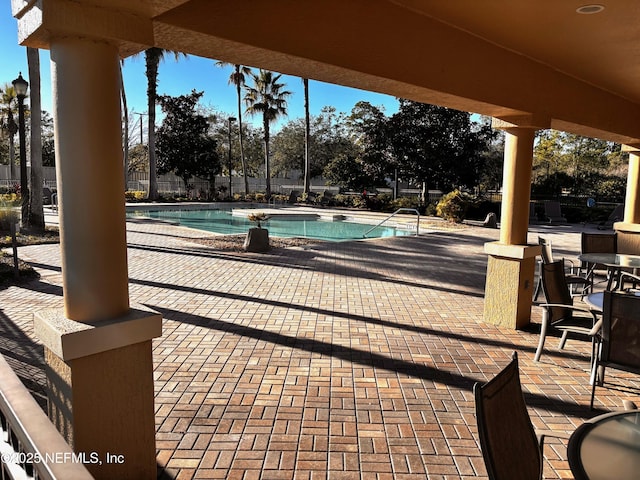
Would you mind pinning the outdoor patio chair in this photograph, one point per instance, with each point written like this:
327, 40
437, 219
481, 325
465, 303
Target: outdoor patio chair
631, 279
597, 243
559, 312
615, 216
619, 346
553, 212
509, 443
578, 285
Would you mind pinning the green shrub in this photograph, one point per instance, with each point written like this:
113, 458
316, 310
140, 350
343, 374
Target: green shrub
583, 214
480, 207
9, 210
135, 195
358, 201
405, 202
9, 200
342, 200
431, 210
378, 203
453, 206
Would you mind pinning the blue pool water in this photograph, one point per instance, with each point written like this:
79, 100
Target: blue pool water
222, 221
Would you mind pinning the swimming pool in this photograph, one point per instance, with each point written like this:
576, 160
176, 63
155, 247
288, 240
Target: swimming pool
222, 221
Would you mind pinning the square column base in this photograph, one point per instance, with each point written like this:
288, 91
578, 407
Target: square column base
100, 390
509, 285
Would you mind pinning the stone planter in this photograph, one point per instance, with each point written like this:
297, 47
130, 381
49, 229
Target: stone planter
257, 240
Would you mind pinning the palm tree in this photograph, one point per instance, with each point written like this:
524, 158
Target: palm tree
36, 211
267, 97
237, 78
153, 56
307, 138
7, 100
125, 132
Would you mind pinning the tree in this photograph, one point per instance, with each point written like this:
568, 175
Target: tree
307, 138
493, 162
346, 170
287, 148
438, 145
183, 144
369, 129
138, 158
266, 97
328, 139
238, 78
153, 56
48, 144
36, 211
125, 129
580, 164
9, 125
547, 155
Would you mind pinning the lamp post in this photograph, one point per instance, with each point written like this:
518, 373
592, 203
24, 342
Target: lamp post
20, 85
141, 129
231, 119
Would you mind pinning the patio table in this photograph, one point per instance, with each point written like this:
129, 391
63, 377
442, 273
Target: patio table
614, 262
606, 447
595, 301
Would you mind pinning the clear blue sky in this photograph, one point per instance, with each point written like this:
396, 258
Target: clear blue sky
178, 78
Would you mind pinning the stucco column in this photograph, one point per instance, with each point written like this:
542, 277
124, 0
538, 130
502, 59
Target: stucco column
632, 197
629, 229
511, 263
86, 112
97, 350
516, 185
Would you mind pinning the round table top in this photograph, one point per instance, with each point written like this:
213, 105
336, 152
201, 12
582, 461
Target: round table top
595, 300
612, 259
606, 447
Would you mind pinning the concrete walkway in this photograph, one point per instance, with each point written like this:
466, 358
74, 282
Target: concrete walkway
350, 360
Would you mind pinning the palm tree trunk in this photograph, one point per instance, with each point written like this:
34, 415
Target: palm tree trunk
12, 156
243, 160
125, 133
36, 211
307, 137
267, 166
152, 61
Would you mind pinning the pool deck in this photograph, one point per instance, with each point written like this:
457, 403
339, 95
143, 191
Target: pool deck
351, 360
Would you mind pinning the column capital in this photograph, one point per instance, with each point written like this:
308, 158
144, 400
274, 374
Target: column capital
631, 148
515, 252
525, 121
40, 22
70, 340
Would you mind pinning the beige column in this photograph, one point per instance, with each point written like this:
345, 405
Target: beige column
98, 350
90, 182
511, 263
628, 231
516, 185
632, 198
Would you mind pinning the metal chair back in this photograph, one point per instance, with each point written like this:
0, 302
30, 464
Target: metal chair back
620, 336
556, 289
507, 438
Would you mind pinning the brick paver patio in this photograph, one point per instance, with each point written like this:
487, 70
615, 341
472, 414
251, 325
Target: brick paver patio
351, 360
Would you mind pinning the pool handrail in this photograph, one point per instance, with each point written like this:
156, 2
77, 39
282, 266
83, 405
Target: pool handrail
364, 235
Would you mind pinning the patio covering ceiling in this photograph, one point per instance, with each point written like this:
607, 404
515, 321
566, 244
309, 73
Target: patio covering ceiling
533, 63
